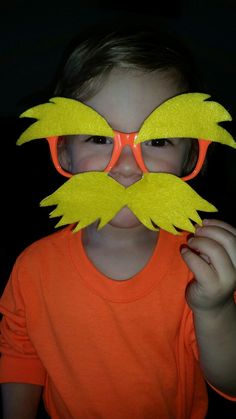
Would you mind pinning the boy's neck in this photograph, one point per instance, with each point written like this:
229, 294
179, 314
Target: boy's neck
119, 253
110, 236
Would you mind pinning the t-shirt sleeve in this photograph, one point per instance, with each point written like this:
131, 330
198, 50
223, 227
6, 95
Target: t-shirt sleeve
19, 361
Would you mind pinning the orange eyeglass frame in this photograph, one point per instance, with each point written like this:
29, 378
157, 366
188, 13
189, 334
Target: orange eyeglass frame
122, 139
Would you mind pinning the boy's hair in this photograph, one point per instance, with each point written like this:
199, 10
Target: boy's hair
135, 46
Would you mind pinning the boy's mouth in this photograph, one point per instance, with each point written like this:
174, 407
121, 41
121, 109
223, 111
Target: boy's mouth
126, 181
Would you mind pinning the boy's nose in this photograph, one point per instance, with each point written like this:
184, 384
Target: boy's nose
126, 166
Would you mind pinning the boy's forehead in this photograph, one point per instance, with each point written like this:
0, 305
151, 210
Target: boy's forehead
127, 97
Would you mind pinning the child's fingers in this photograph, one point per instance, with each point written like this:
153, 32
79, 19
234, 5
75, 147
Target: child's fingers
219, 223
199, 264
219, 259
221, 236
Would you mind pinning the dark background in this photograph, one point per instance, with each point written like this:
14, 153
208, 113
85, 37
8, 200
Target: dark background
33, 36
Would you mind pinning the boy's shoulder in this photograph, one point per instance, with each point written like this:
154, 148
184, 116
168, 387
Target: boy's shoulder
47, 244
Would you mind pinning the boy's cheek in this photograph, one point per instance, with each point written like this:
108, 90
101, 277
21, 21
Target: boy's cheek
165, 167
89, 165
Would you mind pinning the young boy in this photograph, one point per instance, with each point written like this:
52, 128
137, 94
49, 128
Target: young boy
123, 321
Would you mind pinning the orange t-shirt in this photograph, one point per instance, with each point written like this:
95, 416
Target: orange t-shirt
102, 348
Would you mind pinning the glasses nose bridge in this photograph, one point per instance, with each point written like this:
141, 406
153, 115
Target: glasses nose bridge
123, 139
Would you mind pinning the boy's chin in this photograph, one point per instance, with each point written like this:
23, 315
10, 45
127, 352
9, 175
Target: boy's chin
125, 219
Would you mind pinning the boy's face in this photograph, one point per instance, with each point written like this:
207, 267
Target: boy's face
125, 100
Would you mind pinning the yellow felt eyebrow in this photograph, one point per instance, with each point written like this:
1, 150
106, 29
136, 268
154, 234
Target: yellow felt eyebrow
187, 115
63, 116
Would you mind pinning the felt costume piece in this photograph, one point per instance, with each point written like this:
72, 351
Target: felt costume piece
159, 200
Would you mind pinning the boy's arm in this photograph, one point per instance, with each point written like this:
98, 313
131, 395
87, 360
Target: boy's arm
20, 400
211, 256
216, 337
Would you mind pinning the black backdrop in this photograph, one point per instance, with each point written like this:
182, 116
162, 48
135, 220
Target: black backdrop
32, 41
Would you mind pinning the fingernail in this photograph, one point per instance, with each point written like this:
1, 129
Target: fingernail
198, 229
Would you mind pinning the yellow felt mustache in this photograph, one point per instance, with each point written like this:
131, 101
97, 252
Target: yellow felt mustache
159, 199
188, 115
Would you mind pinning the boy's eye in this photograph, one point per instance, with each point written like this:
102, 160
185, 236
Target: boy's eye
99, 139
160, 142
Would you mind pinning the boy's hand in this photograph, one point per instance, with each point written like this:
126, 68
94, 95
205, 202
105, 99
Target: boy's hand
211, 256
